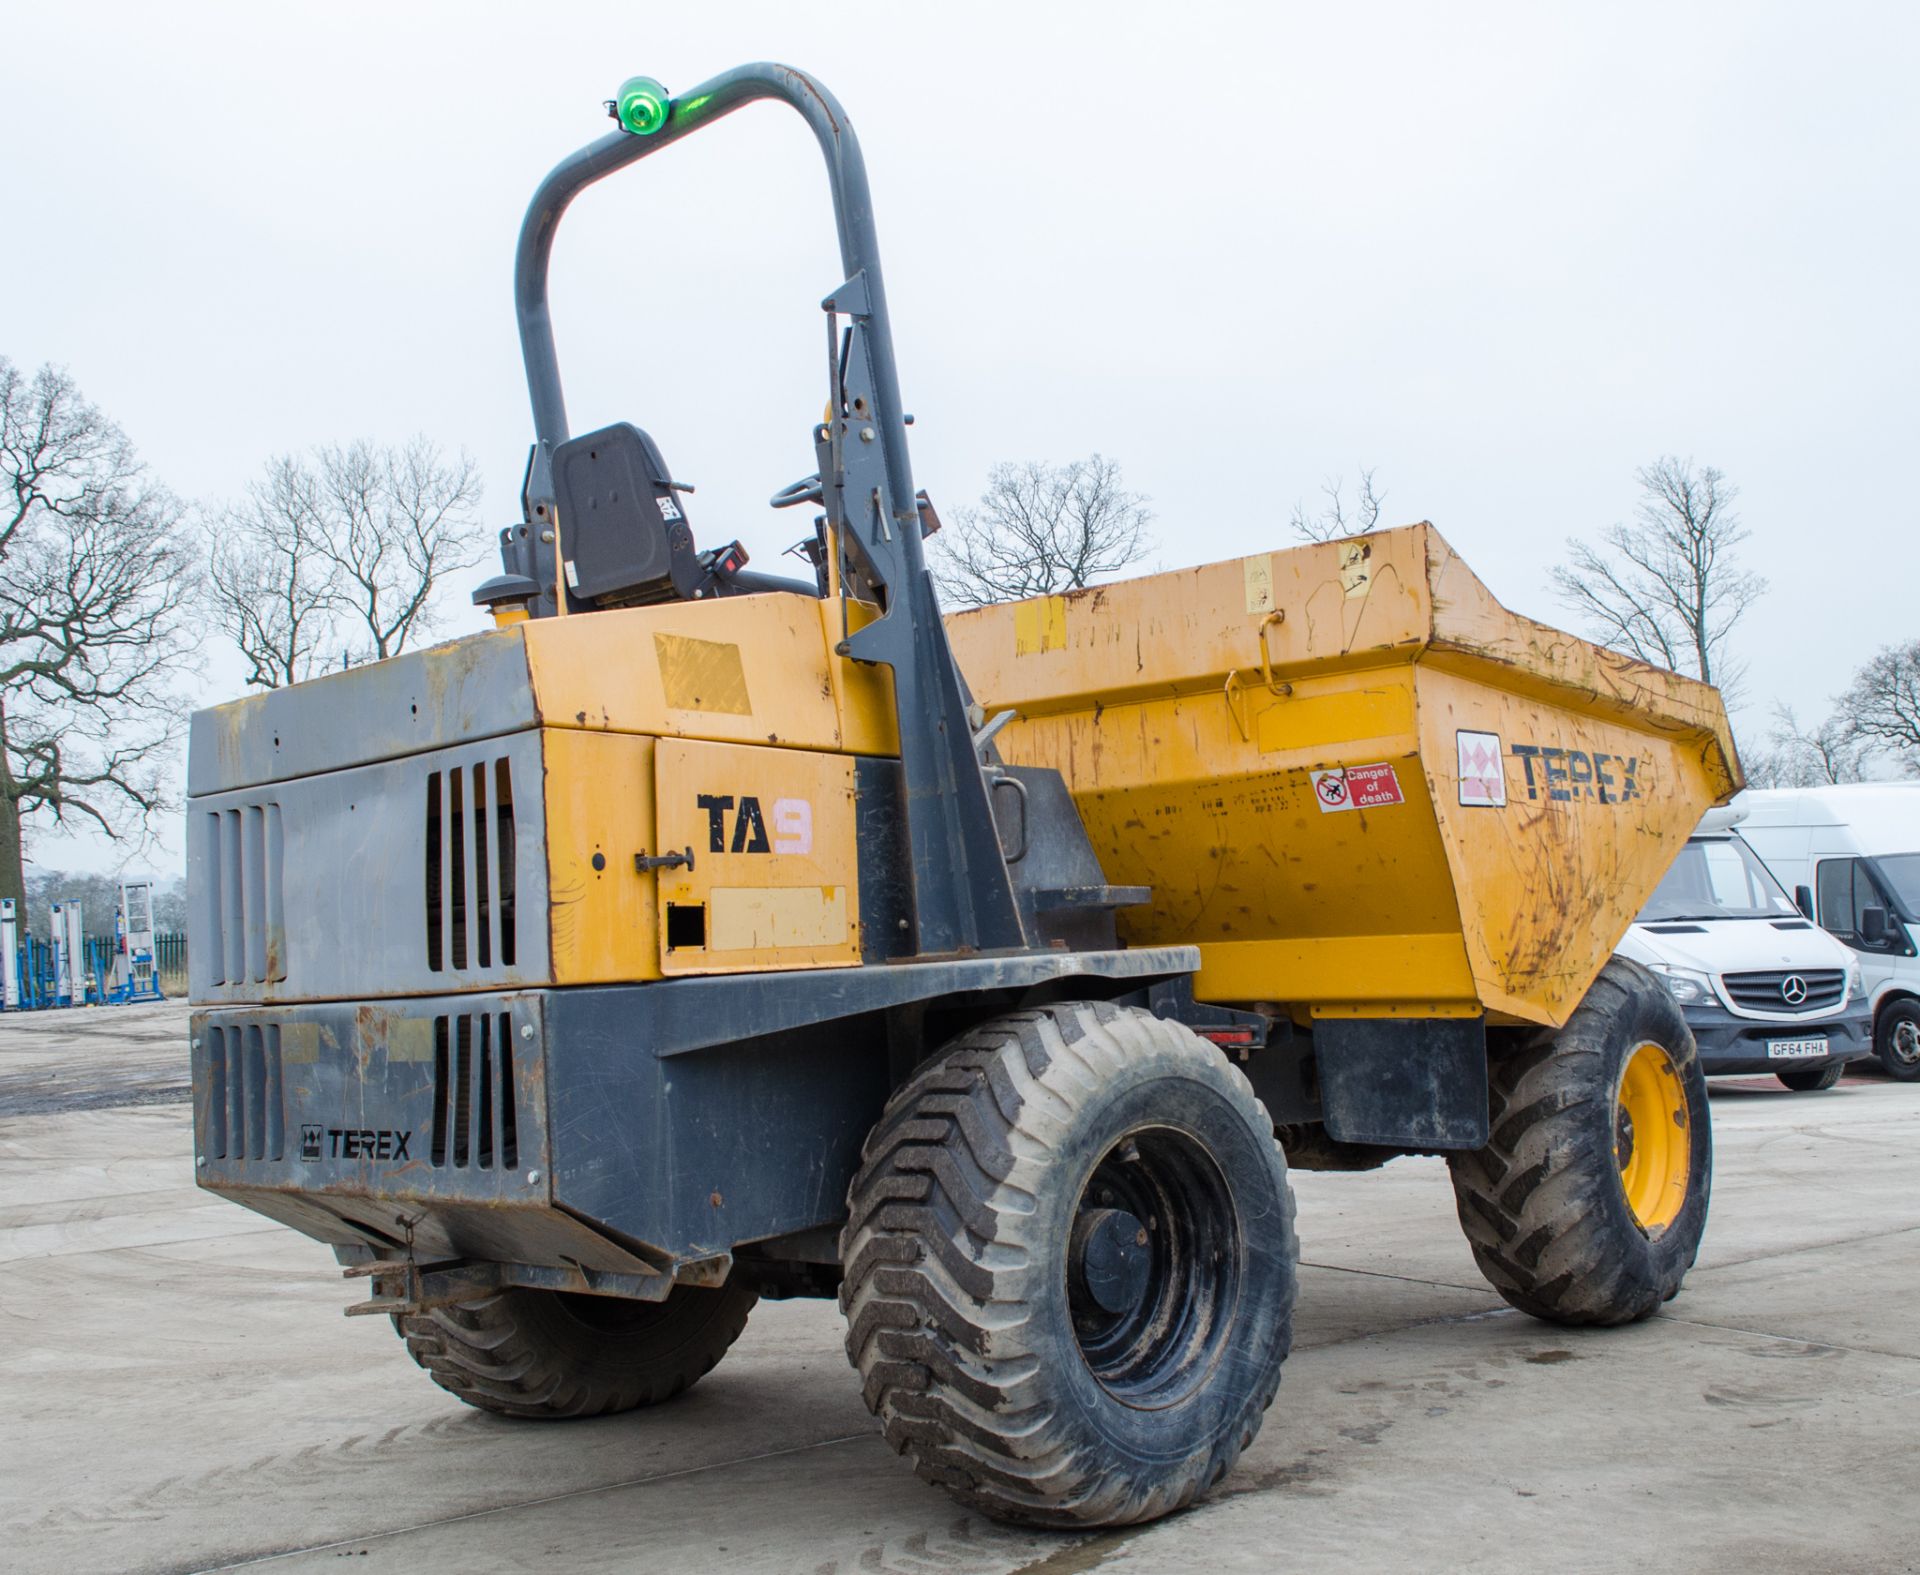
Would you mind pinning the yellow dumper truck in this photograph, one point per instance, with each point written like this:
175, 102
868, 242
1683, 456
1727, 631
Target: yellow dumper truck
695, 936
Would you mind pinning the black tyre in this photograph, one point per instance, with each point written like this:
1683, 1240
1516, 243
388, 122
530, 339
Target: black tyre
1810, 1080
555, 1354
1070, 1267
1588, 1204
1896, 1040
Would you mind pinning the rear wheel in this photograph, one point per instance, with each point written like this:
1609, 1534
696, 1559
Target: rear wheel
1588, 1202
558, 1354
1897, 1040
1810, 1080
1070, 1267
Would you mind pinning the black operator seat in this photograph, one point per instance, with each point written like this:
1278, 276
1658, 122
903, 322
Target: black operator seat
624, 536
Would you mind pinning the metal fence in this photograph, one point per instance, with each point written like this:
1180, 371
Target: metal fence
37, 980
170, 961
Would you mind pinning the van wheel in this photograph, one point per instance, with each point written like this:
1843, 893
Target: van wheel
1897, 1041
1810, 1080
1588, 1202
560, 1354
1070, 1267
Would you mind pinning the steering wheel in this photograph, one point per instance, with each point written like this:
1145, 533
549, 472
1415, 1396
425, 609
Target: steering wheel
805, 490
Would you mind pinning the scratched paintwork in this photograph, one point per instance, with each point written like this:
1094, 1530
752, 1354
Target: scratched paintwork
574, 706
1190, 749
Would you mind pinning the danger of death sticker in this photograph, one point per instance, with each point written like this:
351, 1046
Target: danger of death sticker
1356, 787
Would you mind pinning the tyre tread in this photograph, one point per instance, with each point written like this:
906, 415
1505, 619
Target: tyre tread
935, 1248
492, 1355
1527, 1201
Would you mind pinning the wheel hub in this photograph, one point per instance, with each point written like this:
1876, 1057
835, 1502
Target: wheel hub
1906, 1042
1153, 1263
1651, 1142
1111, 1262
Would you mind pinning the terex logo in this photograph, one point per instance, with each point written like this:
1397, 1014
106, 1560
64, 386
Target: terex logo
792, 824
353, 1143
1576, 773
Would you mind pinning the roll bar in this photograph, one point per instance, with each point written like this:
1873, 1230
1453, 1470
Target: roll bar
710, 101
963, 898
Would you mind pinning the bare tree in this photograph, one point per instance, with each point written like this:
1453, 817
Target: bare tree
333, 560
95, 582
1798, 756
395, 521
1882, 704
1335, 520
1667, 586
269, 580
1040, 529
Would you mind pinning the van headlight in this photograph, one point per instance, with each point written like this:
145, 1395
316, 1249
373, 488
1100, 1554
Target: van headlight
1856, 983
1686, 986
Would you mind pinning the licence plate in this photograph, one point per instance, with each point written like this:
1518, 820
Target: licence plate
1795, 1049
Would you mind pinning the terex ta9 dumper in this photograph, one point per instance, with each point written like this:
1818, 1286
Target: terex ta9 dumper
695, 936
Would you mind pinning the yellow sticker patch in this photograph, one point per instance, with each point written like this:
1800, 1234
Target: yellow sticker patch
410, 1039
1257, 573
1040, 625
702, 675
760, 918
299, 1043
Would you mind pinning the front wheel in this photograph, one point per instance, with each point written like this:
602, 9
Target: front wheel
1897, 1041
1588, 1203
1070, 1267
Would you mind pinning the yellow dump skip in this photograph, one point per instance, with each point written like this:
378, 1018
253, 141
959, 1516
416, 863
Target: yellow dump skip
1355, 780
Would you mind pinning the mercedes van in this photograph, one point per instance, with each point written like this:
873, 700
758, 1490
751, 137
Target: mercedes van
1851, 856
1763, 989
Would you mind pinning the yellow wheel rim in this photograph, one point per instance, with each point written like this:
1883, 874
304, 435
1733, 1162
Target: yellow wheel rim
1651, 1141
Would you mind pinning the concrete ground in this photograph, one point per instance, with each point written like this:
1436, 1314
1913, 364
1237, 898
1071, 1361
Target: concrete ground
181, 1392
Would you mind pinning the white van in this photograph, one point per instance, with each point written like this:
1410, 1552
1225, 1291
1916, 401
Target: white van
1852, 858
1762, 989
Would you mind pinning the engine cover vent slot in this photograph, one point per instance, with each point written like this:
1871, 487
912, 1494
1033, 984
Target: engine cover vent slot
475, 1109
246, 1115
246, 855
470, 868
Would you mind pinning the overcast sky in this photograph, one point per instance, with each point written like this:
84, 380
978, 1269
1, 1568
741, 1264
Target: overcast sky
1504, 254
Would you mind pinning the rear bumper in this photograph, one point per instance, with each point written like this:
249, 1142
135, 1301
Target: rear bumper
636, 1133
1731, 1044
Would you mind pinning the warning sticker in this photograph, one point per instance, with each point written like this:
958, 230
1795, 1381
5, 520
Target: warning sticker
1483, 776
1357, 787
1356, 574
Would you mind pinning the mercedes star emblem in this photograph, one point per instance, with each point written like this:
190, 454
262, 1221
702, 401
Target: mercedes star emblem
1793, 989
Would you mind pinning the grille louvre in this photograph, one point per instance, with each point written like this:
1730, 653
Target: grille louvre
246, 1098
1761, 992
475, 1123
246, 849
469, 874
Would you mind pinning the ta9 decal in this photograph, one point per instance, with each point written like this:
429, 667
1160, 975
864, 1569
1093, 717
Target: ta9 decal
1578, 773
792, 824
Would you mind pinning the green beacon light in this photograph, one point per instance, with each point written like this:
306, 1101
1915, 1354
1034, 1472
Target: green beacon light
642, 106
